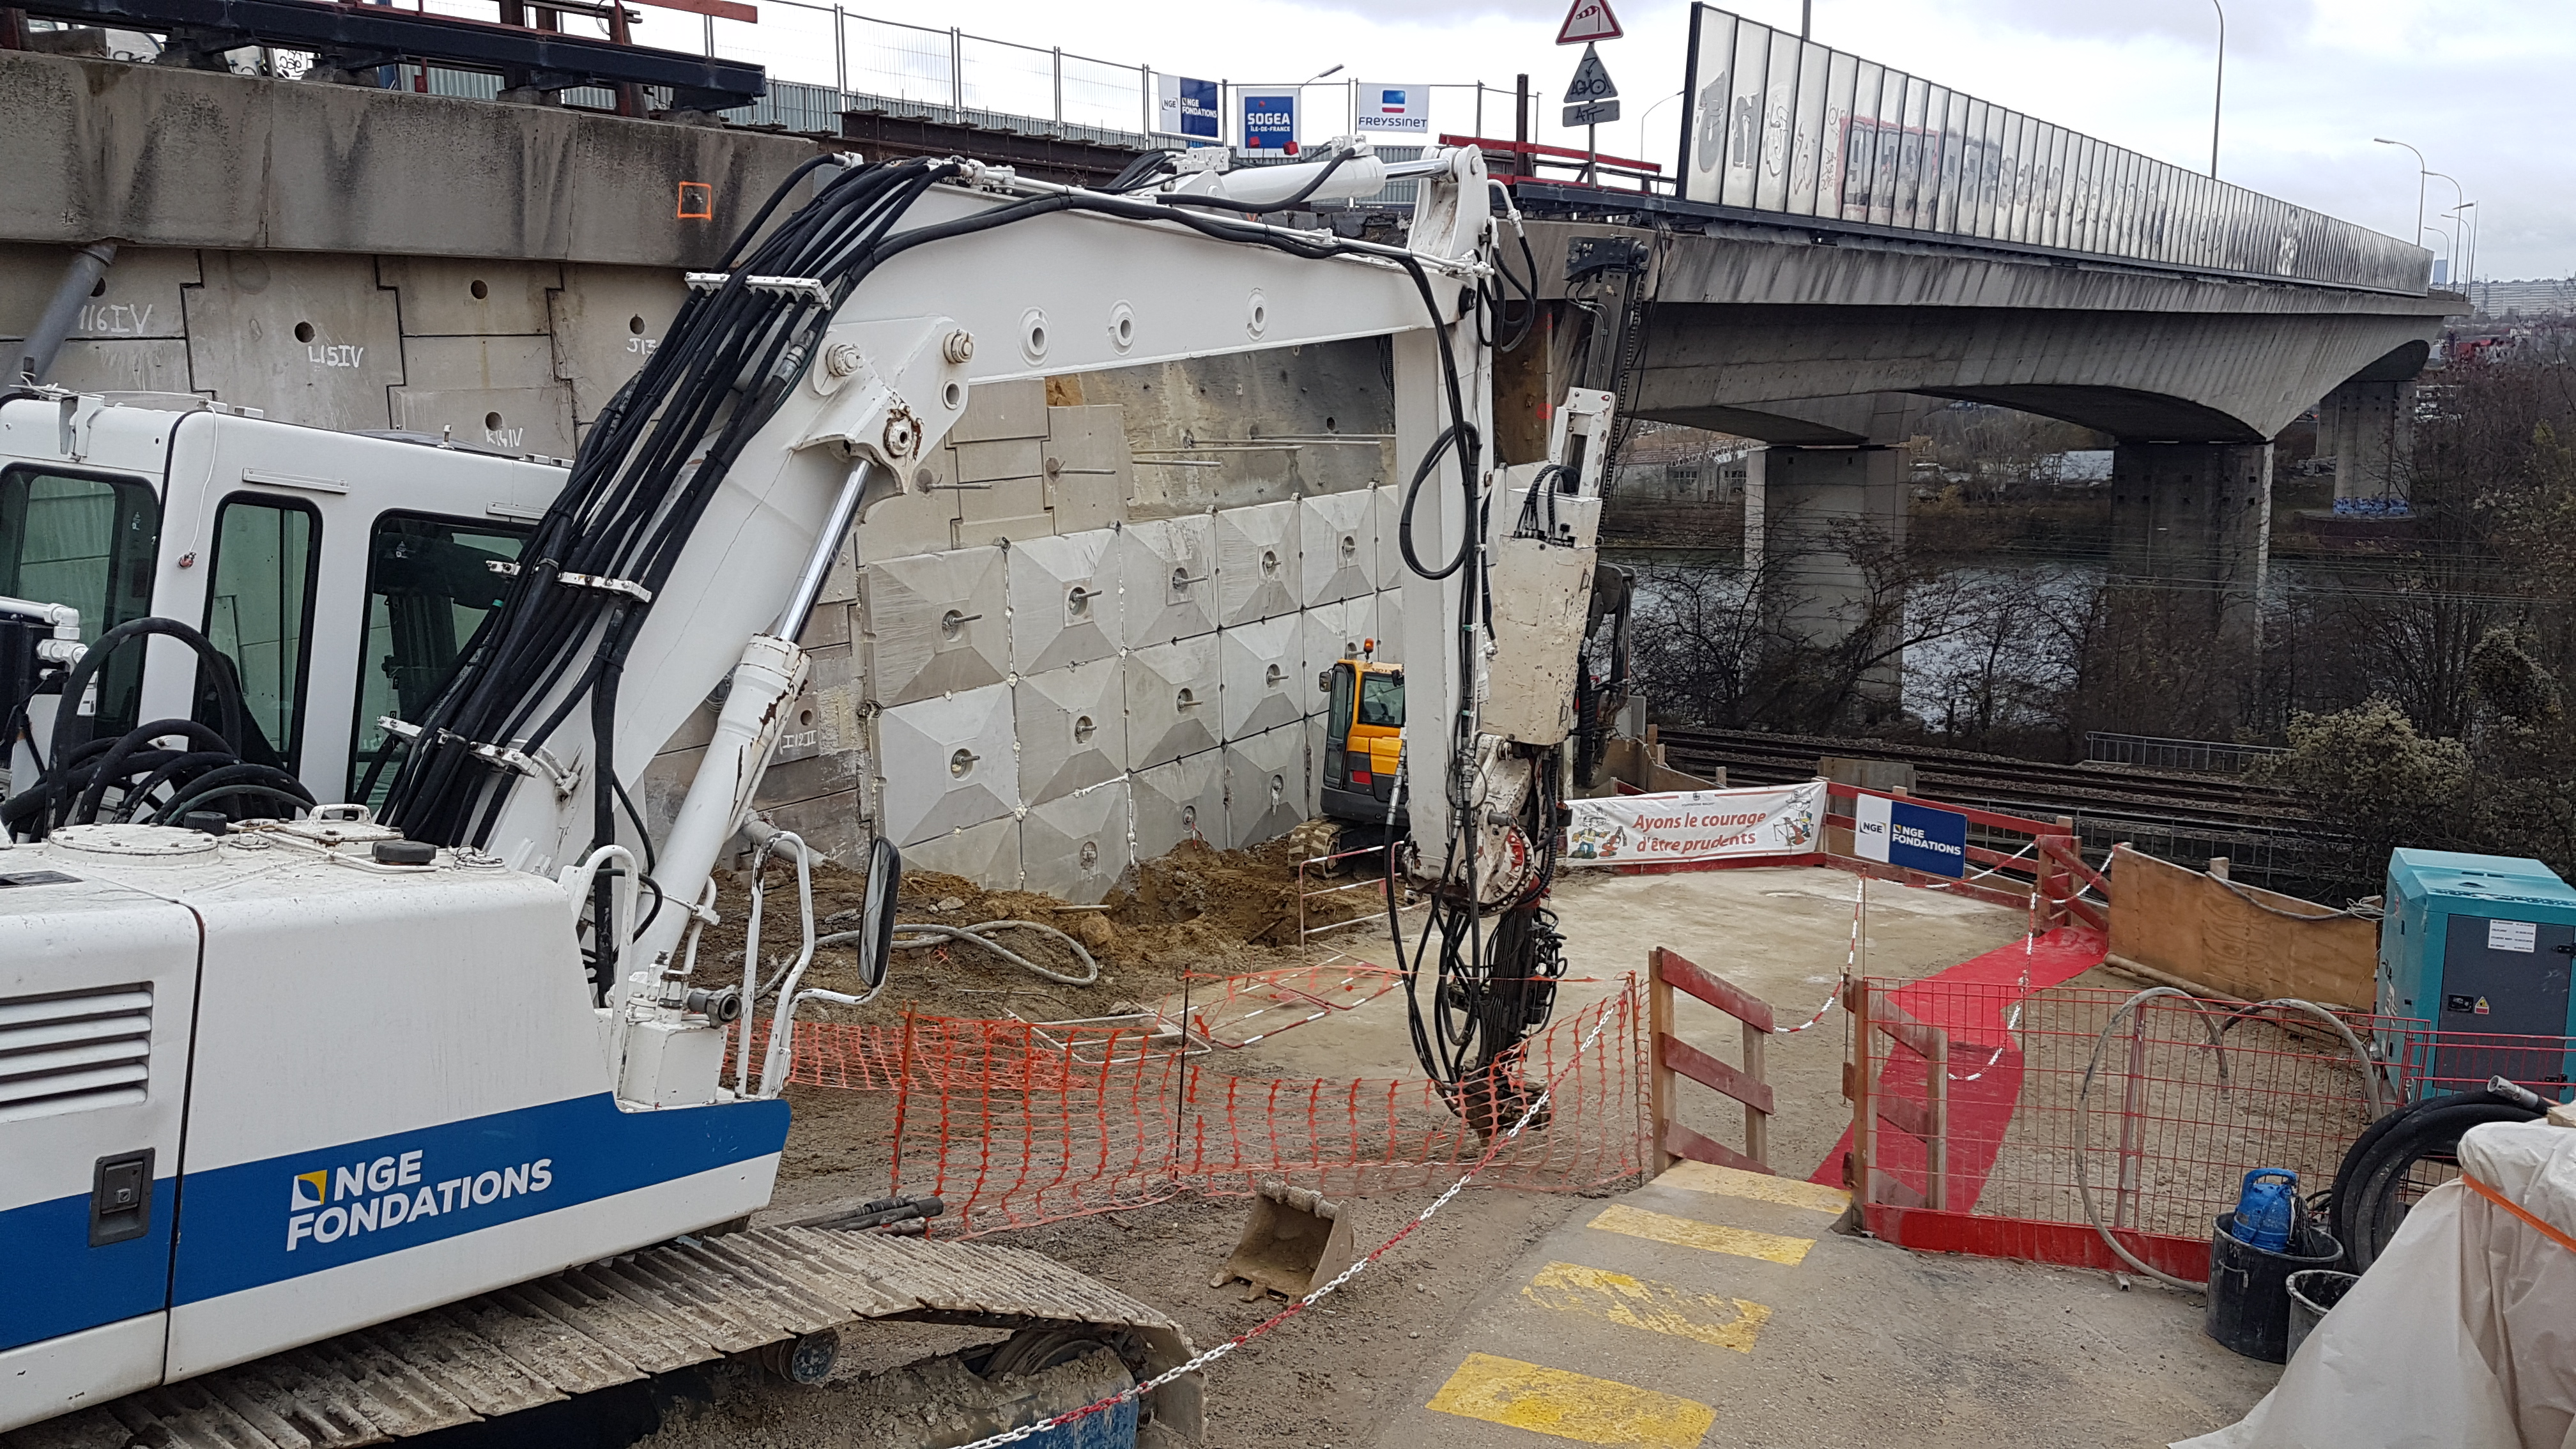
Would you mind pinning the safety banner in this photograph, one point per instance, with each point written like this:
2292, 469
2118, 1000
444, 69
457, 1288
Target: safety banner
1687, 825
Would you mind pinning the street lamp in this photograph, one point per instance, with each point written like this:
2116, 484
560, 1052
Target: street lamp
2450, 243
2458, 198
2218, 93
2460, 216
1310, 80
2420, 174
1641, 126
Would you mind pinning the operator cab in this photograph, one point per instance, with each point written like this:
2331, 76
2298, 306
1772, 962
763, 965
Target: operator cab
342, 575
1363, 739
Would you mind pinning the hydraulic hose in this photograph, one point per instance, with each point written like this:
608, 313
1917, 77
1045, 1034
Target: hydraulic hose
111, 766
2369, 1185
74, 786
919, 935
2217, 1027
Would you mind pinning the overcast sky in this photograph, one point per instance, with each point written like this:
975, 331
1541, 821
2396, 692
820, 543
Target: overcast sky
2482, 86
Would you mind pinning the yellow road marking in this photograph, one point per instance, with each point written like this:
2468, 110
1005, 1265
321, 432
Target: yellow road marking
1711, 1237
1644, 1303
1759, 1186
1570, 1405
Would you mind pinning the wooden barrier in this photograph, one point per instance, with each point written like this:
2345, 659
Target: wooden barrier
1671, 1056
2213, 937
1636, 767
1928, 1121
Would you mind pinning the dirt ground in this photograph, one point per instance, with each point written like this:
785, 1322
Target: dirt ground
1330, 1376
1327, 1378
1335, 1375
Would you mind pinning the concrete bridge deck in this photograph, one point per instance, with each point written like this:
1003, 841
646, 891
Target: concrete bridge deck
1747, 315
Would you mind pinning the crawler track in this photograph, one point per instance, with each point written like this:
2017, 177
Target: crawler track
606, 1324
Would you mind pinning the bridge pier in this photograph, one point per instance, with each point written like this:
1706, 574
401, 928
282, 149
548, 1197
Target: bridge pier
2191, 527
2368, 428
1822, 527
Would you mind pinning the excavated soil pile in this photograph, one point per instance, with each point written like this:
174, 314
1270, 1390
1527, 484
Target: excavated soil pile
1197, 910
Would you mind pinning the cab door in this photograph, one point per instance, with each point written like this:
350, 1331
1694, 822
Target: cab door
1337, 718
278, 546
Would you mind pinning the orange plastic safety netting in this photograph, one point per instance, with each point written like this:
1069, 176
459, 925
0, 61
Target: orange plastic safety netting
1012, 1123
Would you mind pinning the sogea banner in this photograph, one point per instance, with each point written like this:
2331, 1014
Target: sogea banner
1696, 825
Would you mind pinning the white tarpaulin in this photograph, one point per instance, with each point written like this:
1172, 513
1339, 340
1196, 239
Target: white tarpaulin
1685, 825
2463, 1333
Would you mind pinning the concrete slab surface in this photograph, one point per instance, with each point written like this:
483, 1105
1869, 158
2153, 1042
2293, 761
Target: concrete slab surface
1603, 1334
1781, 933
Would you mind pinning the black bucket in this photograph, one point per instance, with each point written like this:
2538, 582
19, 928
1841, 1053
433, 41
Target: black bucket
2249, 1288
2312, 1293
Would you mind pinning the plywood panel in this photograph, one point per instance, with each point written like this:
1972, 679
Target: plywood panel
2237, 940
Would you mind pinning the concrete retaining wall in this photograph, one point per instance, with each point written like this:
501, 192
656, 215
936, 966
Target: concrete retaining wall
1056, 663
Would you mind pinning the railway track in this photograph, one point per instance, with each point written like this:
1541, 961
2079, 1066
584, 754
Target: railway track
2192, 805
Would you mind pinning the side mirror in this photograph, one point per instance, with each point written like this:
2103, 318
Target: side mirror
876, 916
1324, 681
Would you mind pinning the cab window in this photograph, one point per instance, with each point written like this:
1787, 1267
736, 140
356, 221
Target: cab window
259, 612
85, 540
1340, 726
433, 586
1382, 700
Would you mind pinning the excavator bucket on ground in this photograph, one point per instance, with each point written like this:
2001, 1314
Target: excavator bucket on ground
1295, 1242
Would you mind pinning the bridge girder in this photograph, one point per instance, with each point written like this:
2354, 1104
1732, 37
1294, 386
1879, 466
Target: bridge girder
1753, 325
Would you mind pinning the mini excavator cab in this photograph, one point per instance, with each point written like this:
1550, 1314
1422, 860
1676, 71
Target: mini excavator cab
1363, 736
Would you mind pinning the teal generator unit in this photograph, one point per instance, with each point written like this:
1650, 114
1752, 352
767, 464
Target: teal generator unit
2481, 946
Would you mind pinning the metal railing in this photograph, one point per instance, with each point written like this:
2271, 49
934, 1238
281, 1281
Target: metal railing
1003, 84
2197, 757
1916, 158
1775, 123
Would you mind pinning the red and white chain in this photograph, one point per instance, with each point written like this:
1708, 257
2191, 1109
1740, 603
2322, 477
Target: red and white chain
2021, 990
1851, 962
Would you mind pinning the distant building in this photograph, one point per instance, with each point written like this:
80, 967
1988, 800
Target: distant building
1669, 463
2540, 298
2080, 469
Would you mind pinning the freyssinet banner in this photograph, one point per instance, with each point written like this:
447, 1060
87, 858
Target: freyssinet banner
1687, 825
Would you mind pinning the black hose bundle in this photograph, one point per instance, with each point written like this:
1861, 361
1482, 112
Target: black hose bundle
2370, 1194
152, 783
1497, 325
644, 476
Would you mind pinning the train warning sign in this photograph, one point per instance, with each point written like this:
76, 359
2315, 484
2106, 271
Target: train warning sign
1588, 21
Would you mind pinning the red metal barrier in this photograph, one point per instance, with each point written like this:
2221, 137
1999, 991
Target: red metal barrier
2049, 863
1989, 1119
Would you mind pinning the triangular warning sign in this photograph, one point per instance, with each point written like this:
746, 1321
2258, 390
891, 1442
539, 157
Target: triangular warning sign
1591, 81
1588, 21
